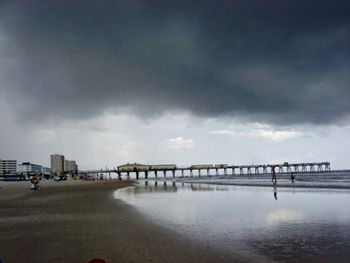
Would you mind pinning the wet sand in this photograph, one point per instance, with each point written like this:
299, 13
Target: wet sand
75, 221
301, 181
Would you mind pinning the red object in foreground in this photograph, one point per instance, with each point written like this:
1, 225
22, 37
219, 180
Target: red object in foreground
97, 260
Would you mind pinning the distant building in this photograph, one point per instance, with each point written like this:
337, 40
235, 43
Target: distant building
8, 167
70, 166
57, 163
27, 167
46, 170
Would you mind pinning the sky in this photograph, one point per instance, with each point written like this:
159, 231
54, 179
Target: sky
184, 82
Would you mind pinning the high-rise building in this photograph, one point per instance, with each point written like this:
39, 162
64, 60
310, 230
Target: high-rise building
8, 167
27, 167
57, 163
70, 166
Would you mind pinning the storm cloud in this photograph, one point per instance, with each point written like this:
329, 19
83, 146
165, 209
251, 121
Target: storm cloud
284, 62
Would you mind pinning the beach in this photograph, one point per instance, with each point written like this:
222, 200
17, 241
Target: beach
76, 221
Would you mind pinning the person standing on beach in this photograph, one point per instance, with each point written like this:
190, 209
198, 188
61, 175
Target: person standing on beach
292, 177
274, 178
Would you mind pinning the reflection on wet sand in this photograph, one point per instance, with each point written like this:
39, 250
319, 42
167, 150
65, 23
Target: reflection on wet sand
151, 186
155, 186
249, 220
306, 243
275, 191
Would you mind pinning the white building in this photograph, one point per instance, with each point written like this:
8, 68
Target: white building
57, 163
70, 166
8, 167
27, 167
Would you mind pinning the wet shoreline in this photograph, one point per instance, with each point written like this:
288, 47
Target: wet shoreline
278, 184
301, 181
261, 223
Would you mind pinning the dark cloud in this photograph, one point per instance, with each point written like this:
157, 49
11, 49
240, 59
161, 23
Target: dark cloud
282, 62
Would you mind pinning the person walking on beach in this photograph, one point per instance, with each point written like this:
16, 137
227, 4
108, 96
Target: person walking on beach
292, 177
35, 183
274, 178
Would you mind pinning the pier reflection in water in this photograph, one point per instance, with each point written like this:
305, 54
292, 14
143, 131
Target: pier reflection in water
262, 223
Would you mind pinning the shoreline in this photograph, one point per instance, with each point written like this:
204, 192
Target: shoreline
295, 186
78, 221
301, 181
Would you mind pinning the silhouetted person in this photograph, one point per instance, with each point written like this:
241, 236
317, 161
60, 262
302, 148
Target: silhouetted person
274, 178
292, 177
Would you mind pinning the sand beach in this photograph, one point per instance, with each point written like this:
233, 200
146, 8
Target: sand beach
76, 221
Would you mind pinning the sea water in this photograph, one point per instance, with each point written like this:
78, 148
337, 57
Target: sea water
261, 223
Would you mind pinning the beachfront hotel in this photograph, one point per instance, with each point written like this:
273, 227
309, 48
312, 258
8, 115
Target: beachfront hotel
70, 166
27, 167
57, 163
8, 166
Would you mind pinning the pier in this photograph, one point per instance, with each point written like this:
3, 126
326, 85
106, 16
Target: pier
137, 171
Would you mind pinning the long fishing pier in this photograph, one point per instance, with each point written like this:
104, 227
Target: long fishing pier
135, 170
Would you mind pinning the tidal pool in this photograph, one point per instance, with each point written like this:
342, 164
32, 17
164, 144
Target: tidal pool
261, 223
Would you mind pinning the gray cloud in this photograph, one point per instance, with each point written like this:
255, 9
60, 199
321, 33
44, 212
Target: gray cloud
274, 62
